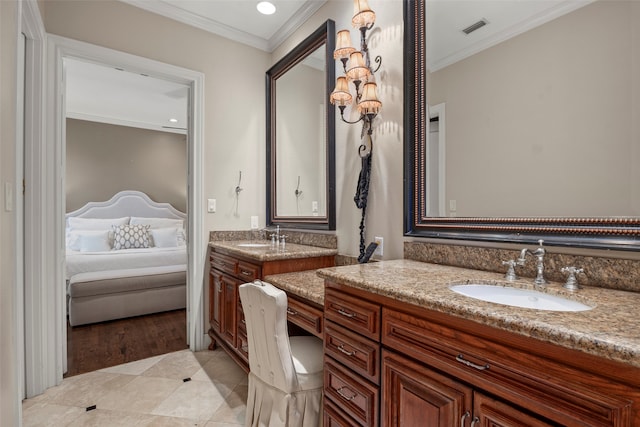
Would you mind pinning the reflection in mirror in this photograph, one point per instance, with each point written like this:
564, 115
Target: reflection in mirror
527, 133
301, 134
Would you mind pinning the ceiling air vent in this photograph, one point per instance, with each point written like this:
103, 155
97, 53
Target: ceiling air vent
471, 28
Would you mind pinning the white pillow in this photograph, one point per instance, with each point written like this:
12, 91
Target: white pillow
165, 237
94, 241
182, 237
157, 222
74, 223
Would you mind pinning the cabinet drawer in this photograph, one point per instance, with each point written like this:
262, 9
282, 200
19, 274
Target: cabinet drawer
558, 392
334, 417
224, 263
353, 313
356, 396
356, 352
248, 272
307, 317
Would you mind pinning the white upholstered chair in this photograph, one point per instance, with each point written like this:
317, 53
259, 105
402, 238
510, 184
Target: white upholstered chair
285, 378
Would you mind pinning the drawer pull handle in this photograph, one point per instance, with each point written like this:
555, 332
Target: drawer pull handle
464, 418
348, 353
346, 314
292, 312
460, 358
246, 273
344, 396
475, 420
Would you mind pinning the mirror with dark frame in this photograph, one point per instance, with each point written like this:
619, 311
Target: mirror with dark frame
499, 148
301, 135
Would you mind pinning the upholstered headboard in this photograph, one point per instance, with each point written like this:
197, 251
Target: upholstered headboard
128, 203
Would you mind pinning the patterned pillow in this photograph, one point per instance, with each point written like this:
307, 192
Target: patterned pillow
130, 236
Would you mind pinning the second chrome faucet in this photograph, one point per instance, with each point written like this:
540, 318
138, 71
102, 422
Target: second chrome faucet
539, 254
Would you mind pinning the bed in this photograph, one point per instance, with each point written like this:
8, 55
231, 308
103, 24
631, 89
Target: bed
125, 257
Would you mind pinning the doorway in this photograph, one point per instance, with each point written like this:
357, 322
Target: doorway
50, 331
124, 131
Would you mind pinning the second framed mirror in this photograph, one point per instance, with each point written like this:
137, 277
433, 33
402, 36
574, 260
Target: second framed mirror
301, 135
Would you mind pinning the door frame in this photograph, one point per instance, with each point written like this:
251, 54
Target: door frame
52, 178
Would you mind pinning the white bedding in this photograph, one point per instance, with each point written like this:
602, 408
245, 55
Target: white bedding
84, 262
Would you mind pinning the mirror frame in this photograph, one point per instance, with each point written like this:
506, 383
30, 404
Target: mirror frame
619, 233
324, 35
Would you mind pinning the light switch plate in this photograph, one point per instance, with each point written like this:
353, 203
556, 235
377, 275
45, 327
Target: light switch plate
211, 205
254, 222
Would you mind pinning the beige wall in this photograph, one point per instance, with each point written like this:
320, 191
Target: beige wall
385, 206
103, 159
234, 116
543, 124
9, 400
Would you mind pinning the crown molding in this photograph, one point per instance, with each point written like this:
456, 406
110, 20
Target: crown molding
172, 12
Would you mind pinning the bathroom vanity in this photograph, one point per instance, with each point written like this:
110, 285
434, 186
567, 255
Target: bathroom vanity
403, 349
233, 263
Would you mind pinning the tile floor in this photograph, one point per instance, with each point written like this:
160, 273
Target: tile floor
149, 392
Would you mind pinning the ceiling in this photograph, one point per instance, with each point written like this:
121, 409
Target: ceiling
238, 20
100, 93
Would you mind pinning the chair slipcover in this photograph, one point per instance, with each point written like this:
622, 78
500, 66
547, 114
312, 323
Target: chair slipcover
285, 378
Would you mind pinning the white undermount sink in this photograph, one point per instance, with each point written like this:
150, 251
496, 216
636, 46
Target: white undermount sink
253, 245
517, 297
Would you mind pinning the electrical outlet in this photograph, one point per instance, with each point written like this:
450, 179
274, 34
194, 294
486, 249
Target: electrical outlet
211, 205
380, 249
254, 222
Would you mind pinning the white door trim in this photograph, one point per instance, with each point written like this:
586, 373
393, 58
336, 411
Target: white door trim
58, 49
32, 328
439, 111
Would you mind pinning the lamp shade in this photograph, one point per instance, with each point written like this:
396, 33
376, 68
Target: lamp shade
340, 95
363, 16
357, 69
343, 45
369, 102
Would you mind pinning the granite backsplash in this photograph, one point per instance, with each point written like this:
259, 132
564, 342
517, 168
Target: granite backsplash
612, 273
321, 240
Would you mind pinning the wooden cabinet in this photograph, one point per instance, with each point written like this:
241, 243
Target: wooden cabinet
226, 319
352, 351
439, 370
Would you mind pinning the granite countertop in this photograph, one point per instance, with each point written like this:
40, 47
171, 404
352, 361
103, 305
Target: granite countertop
305, 284
260, 250
610, 330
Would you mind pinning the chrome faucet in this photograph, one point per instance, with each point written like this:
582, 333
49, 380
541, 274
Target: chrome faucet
539, 254
275, 237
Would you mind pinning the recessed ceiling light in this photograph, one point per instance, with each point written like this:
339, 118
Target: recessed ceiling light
266, 8
173, 120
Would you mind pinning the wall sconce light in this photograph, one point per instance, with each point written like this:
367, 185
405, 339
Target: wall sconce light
357, 69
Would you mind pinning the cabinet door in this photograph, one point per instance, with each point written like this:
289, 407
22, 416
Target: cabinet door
215, 300
229, 303
414, 395
489, 412
243, 343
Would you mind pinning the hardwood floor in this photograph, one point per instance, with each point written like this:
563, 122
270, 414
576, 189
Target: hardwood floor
100, 345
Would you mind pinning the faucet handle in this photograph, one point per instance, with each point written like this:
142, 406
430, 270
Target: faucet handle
511, 272
572, 281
